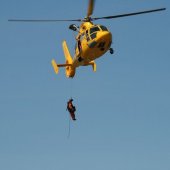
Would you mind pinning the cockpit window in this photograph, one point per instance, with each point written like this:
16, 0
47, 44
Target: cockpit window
93, 35
103, 28
87, 36
94, 29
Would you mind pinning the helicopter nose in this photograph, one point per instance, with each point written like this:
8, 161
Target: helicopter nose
106, 36
104, 40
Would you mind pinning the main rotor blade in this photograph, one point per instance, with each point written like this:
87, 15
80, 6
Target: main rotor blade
90, 8
39, 20
129, 14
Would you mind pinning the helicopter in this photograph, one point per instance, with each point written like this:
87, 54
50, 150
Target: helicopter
92, 40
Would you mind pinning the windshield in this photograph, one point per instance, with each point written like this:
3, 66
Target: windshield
94, 29
103, 28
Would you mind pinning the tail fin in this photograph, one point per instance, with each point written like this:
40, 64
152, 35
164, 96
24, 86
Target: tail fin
55, 66
70, 70
93, 65
67, 55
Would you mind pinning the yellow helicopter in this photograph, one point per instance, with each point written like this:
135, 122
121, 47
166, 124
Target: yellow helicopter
92, 41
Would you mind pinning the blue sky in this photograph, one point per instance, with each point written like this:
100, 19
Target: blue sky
123, 110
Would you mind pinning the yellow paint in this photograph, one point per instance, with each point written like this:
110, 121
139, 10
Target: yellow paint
95, 41
54, 64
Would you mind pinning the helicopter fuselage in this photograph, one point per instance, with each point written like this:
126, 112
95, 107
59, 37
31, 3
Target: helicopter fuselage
92, 42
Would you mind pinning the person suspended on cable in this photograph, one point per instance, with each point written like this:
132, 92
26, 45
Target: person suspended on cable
71, 108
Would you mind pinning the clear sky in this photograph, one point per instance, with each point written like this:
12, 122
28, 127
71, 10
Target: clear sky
123, 110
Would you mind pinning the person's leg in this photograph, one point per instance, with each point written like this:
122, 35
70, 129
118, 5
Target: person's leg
72, 115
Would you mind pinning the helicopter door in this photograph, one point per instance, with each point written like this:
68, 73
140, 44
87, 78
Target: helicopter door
79, 45
79, 42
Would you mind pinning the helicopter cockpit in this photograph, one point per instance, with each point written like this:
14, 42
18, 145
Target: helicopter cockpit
93, 31
91, 36
98, 28
99, 36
